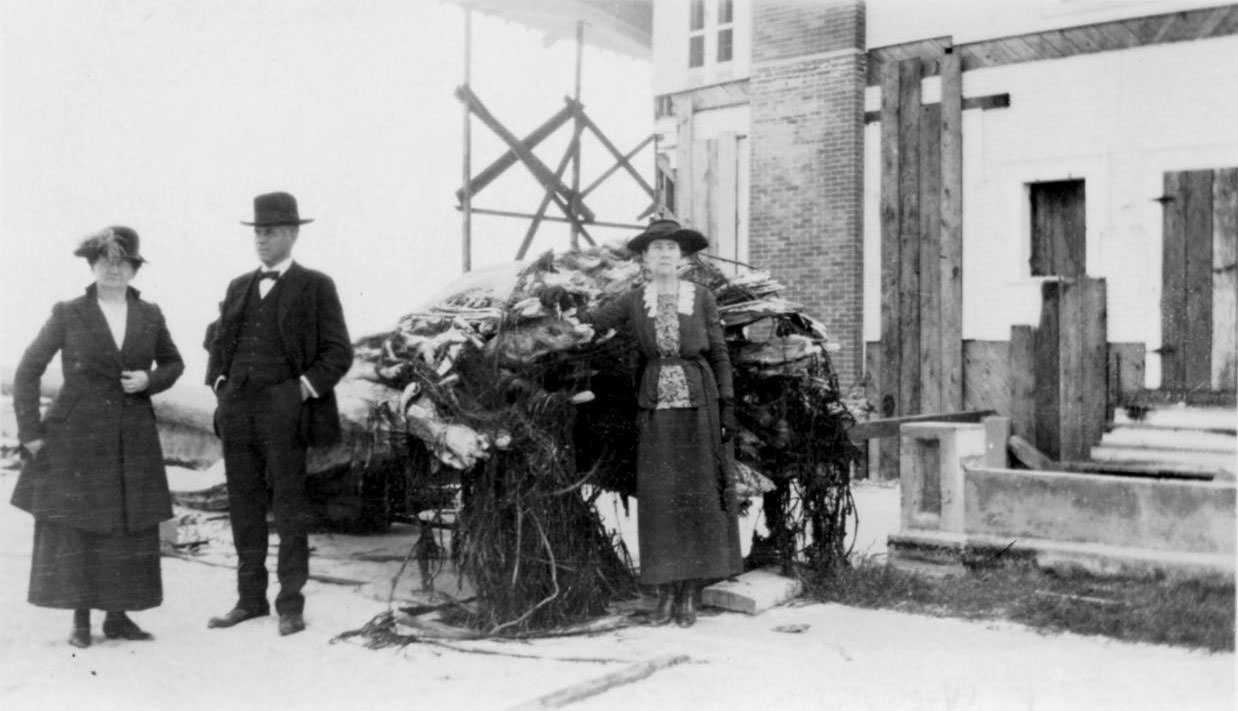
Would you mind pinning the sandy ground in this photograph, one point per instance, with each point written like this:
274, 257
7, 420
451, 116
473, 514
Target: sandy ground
844, 659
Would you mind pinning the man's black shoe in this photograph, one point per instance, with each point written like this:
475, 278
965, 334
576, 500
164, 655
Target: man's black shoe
237, 615
291, 623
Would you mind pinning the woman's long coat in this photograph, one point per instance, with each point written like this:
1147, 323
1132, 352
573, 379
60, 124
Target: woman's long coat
101, 468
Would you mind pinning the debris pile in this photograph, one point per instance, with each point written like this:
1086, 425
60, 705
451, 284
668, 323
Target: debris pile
534, 412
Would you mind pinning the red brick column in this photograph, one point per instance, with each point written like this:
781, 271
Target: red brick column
806, 210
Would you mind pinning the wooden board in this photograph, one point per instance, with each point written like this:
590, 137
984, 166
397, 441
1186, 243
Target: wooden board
909, 236
724, 193
887, 402
1022, 363
951, 236
1225, 280
1094, 360
1126, 371
1197, 360
698, 215
684, 140
1173, 281
930, 260
986, 375
1048, 373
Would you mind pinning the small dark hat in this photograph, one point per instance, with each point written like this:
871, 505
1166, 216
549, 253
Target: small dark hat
690, 241
116, 242
273, 209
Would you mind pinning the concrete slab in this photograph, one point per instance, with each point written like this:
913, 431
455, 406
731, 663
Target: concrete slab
753, 592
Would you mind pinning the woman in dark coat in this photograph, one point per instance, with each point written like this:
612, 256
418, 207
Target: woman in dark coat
94, 478
687, 518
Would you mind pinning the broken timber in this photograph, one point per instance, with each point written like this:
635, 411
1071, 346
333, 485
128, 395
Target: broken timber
593, 687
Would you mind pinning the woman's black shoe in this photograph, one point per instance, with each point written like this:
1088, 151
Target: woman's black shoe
124, 628
686, 614
662, 612
80, 637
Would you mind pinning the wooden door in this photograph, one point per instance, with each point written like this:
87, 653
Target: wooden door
1059, 229
1199, 334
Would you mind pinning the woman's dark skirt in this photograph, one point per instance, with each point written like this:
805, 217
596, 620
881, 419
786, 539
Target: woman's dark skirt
75, 569
683, 530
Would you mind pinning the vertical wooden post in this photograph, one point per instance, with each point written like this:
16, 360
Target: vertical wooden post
996, 435
575, 147
891, 208
1023, 382
951, 248
1048, 372
1197, 345
725, 186
466, 200
1093, 362
1225, 280
930, 260
1173, 282
909, 235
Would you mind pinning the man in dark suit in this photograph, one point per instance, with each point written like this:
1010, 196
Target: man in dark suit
278, 349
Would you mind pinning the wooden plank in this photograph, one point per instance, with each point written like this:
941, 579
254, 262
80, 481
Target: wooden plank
1173, 281
619, 157
891, 357
1126, 371
872, 391
709, 185
508, 159
950, 265
593, 687
1028, 455
1225, 280
1094, 360
1198, 333
1022, 362
1048, 372
930, 260
1072, 306
984, 102
909, 237
889, 427
698, 215
685, 140
723, 232
986, 375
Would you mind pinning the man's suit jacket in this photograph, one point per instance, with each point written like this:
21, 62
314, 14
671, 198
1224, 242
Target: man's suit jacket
311, 331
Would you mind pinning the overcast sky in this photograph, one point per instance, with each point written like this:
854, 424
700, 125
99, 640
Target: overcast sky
170, 115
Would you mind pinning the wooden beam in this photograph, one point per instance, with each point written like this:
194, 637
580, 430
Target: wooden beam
621, 158
930, 260
549, 218
593, 687
685, 139
1126, 33
1173, 281
621, 162
888, 427
891, 356
909, 235
1225, 280
1028, 455
950, 265
723, 229
542, 172
996, 439
1093, 362
548, 196
983, 103
510, 158
1048, 371
1197, 360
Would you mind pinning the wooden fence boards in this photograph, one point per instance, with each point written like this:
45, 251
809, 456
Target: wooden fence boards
1197, 366
1225, 280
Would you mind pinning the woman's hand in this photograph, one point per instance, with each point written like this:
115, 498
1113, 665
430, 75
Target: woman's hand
134, 381
33, 447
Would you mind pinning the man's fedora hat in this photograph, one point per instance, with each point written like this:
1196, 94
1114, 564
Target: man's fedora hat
116, 242
272, 209
690, 241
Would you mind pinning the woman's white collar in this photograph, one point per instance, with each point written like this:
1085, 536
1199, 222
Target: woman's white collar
687, 295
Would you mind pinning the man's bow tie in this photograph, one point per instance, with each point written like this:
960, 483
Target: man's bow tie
272, 275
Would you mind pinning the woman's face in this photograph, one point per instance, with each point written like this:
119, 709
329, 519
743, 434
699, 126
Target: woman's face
113, 273
663, 257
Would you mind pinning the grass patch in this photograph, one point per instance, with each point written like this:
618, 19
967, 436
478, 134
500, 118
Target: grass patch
1187, 613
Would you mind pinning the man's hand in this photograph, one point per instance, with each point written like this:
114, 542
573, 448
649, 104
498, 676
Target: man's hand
134, 381
33, 447
305, 391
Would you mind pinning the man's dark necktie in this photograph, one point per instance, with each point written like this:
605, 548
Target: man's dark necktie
272, 275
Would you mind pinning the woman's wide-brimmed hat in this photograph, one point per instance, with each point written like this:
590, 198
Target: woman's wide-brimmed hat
690, 241
271, 209
116, 242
